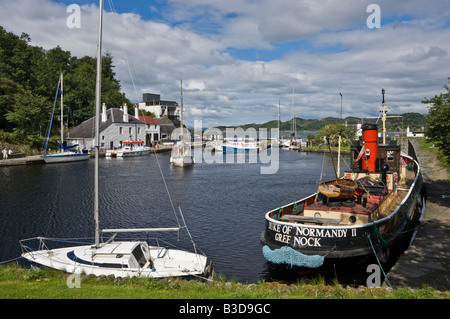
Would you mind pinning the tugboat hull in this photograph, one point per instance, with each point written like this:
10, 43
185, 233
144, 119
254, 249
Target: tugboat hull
319, 235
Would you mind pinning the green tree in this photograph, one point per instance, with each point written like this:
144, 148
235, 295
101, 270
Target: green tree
79, 88
311, 139
438, 121
8, 89
47, 70
332, 132
29, 72
30, 113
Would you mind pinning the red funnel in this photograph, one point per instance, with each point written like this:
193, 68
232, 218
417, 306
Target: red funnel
370, 142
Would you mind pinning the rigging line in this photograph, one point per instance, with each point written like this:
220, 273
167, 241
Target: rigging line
167, 189
379, 263
192, 240
51, 119
323, 164
350, 169
113, 9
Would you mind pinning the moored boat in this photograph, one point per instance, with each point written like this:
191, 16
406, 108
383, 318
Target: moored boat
240, 146
373, 224
181, 152
129, 148
69, 153
181, 155
66, 156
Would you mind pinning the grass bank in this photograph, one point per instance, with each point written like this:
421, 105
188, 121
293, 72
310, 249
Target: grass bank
23, 283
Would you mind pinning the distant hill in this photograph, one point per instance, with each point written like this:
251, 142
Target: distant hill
415, 121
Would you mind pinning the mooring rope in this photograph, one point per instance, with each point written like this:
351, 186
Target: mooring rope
379, 263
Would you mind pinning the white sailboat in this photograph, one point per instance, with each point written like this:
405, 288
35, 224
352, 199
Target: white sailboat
181, 152
67, 153
240, 145
117, 258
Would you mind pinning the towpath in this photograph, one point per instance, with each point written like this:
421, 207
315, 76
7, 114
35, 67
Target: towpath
427, 260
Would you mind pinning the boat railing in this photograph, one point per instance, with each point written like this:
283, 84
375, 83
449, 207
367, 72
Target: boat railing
30, 245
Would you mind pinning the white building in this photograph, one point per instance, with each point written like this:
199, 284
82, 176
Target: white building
152, 128
414, 134
116, 126
153, 103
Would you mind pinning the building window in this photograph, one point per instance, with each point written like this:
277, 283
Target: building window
139, 131
120, 130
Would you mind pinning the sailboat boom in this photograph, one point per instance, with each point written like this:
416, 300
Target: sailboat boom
137, 230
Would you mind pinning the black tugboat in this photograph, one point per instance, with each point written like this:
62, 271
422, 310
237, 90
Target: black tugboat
372, 221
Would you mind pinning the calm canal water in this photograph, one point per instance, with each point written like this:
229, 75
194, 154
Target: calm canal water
223, 202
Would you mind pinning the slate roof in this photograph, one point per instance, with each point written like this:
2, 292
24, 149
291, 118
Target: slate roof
87, 128
166, 125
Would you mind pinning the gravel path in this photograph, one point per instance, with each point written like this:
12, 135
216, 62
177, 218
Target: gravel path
427, 260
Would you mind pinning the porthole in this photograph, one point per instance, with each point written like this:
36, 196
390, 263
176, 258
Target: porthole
352, 219
317, 215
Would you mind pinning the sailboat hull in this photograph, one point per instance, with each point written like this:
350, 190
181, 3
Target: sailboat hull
181, 155
65, 157
182, 161
121, 259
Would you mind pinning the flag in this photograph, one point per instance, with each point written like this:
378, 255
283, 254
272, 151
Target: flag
360, 153
402, 162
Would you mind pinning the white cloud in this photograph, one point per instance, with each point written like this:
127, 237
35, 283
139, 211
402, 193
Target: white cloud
328, 50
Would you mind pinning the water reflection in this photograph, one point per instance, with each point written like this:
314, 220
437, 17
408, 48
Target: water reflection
223, 203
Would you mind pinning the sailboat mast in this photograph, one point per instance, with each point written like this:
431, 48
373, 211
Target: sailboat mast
384, 118
181, 118
97, 122
279, 135
62, 118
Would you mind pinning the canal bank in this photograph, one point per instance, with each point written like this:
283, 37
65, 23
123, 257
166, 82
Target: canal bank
25, 160
37, 159
427, 260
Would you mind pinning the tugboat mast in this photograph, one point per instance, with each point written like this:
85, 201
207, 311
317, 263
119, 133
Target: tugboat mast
384, 118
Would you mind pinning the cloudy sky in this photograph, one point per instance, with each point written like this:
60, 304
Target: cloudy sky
238, 58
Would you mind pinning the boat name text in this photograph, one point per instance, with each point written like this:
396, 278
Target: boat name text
303, 236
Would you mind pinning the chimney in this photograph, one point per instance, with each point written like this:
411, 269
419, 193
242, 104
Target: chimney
104, 118
136, 111
125, 113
